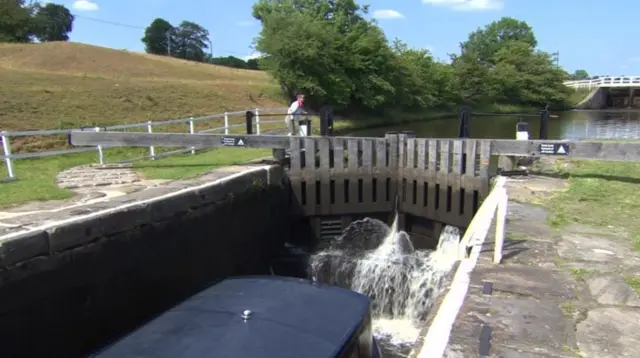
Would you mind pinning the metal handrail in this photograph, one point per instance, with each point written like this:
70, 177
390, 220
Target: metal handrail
8, 157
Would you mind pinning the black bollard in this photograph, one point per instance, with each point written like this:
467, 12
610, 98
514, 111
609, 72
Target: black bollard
544, 123
464, 129
249, 116
409, 134
326, 121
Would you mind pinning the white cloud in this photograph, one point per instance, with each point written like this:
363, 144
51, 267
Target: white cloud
85, 5
253, 55
247, 23
385, 14
467, 5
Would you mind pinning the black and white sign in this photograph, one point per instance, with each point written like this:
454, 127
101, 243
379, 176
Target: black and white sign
233, 141
554, 148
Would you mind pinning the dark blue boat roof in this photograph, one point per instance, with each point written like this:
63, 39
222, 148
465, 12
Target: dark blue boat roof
290, 318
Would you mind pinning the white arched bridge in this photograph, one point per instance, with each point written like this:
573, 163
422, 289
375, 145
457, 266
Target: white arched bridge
609, 81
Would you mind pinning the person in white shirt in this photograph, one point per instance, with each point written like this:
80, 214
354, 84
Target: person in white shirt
293, 114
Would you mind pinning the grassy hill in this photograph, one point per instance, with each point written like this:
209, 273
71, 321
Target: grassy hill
68, 85
64, 84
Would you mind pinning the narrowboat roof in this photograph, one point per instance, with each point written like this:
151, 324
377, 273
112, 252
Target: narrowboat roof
289, 318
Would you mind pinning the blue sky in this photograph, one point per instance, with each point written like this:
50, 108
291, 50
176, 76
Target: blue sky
595, 35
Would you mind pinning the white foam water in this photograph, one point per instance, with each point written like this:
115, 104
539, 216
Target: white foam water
401, 281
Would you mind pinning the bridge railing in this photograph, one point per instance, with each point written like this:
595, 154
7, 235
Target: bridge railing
221, 123
613, 81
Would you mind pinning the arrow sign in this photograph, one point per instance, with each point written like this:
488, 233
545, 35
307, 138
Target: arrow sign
233, 141
561, 149
554, 148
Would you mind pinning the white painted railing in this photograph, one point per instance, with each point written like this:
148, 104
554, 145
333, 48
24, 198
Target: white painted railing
495, 205
225, 127
436, 340
610, 81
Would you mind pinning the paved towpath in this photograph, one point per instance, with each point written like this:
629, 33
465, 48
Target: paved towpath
558, 293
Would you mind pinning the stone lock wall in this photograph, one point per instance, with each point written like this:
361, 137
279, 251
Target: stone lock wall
69, 288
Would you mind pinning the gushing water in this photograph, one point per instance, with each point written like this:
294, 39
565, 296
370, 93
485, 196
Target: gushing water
381, 262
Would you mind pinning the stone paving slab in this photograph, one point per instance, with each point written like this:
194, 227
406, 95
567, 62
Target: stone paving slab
557, 293
610, 332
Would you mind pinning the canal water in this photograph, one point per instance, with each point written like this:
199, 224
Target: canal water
572, 125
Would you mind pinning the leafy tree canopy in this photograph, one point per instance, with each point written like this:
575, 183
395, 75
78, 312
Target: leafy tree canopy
579, 75
52, 22
330, 51
188, 40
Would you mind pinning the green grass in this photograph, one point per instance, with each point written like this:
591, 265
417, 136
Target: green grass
581, 274
577, 96
37, 177
186, 166
601, 194
633, 282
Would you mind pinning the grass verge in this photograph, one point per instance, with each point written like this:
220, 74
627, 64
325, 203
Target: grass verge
37, 177
600, 193
633, 282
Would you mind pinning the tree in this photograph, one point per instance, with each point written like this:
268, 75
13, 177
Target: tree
500, 64
52, 22
15, 21
579, 75
331, 52
486, 42
191, 41
306, 43
253, 64
158, 37
229, 61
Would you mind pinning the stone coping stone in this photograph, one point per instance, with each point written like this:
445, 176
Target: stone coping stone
45, 234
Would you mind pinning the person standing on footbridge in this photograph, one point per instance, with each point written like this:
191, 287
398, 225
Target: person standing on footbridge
293, 114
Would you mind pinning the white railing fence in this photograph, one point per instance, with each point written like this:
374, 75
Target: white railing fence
611, 81
190, 124
495, 205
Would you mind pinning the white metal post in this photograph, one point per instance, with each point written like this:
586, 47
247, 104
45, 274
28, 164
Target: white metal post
191, 131
6, 149
226, 123
501, 217
257, 117
152, 149
100, 153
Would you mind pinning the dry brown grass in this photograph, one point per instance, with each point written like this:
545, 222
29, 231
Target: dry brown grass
66, 85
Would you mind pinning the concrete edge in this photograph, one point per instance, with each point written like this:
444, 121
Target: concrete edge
438, 333
62, 235
444, 288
